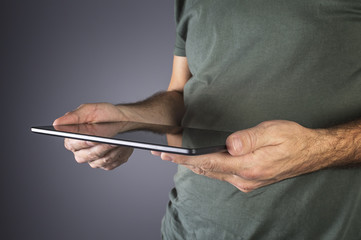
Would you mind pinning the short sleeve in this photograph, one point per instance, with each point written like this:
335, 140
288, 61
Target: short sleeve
181, 29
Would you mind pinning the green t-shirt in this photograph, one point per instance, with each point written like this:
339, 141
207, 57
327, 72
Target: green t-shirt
258, 60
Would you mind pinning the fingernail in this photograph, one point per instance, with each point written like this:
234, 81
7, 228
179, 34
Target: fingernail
237, 144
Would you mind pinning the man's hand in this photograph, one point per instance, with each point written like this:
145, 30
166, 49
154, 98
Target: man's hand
268, 153
97, 155
91, 113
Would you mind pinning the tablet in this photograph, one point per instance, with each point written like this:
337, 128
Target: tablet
162, 138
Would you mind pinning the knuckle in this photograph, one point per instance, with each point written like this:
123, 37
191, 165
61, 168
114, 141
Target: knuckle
251, 174
270, 127
78, 159
199, 171
250, 139
208, 165
97, 154
67, 145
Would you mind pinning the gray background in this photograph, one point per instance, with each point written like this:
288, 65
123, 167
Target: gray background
54, 56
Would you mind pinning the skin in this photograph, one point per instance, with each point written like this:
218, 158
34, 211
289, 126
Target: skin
265, 154
162, 108
276, 150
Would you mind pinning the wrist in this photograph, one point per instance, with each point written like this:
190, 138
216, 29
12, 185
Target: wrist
129, 113
340, 146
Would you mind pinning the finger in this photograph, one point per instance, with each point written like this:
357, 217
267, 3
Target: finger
248, 140
69, 118
247, 166
112, 159
244, 185
215, 162
241, 184
196, 161
76, 145
79, 115
94, 153
155, 153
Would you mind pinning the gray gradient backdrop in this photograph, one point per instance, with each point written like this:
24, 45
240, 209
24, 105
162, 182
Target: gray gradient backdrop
54, 56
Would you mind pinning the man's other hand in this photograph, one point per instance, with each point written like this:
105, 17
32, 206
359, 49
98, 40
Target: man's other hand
268, 153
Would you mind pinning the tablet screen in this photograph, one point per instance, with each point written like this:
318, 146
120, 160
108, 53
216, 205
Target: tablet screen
164, 138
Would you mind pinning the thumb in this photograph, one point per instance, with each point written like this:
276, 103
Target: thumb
77, 116
246, 141
68, 118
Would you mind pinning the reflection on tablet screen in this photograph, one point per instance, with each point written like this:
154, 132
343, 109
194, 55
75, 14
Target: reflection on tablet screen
156, 137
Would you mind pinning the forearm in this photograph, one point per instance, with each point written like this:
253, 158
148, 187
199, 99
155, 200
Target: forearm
161, 108
341, 145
